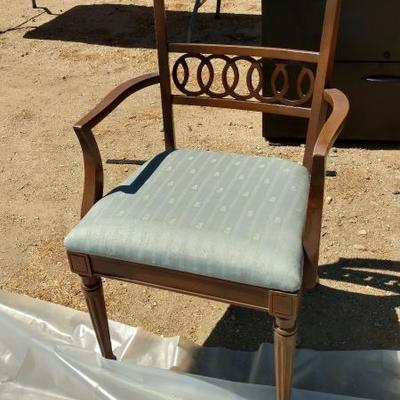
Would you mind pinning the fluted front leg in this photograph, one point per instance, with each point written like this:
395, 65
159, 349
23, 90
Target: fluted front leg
93, 291
285, 332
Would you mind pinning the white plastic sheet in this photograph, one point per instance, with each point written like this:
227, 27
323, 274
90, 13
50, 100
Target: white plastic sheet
49, 352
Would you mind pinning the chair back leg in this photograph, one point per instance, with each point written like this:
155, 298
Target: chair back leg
285, 333
93, 290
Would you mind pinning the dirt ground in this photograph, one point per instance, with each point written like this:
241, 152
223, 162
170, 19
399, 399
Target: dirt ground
57, 62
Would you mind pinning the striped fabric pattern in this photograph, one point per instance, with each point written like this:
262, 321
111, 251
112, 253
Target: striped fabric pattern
228, 216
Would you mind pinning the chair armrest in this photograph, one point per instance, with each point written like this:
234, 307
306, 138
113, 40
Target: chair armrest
334, 125
114, 98
93, 184
330, 131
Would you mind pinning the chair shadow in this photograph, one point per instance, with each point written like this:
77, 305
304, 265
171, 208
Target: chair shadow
144, 175
331, 318
132, 26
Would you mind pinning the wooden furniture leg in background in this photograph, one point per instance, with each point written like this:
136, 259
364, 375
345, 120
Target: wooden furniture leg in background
93, 291
285, 332
218, 10
34, 5
193, 17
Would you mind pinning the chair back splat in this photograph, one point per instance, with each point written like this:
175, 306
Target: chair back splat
270, 80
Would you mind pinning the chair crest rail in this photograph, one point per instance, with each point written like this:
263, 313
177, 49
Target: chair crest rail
255, 51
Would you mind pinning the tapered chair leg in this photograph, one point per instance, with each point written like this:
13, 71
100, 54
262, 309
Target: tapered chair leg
285, 333
34, 5
93, 291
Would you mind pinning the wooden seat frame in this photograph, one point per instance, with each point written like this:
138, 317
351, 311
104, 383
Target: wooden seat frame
322, 132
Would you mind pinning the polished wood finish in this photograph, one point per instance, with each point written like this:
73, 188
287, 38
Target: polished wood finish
285, 333
94, 180
93, 290
160, 23
255, 51
114, 98
279, 81
324, 68
278, 303
329, 132
281, 305
279, 109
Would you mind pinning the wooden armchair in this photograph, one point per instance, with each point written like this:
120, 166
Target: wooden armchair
240, 229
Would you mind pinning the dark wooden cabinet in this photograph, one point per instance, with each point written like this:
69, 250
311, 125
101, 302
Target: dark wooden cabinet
367, 62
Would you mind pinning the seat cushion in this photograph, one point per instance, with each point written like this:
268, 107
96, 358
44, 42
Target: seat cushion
228, 216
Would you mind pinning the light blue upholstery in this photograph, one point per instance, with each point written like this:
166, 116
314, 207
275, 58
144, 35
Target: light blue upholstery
229, 216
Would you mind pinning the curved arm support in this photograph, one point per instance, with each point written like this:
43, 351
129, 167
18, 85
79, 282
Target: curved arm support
93, 184
334, 124
114, 98
312, 232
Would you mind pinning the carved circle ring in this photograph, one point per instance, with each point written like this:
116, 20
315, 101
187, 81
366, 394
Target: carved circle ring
206, 80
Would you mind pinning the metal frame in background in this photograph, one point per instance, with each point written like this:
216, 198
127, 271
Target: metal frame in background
193, 17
